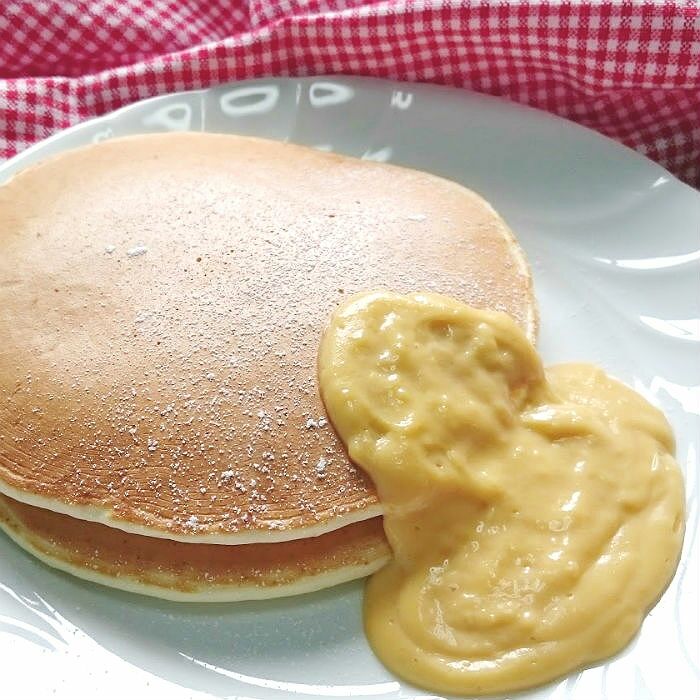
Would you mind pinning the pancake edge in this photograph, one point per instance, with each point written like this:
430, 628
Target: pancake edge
217, 594
104, 516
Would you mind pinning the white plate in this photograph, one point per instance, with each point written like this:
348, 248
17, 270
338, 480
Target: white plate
614, 241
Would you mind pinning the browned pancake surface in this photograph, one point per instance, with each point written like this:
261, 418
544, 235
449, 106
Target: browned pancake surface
200, 570
162, 299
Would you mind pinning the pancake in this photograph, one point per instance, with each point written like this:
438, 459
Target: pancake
162, 299
184, 571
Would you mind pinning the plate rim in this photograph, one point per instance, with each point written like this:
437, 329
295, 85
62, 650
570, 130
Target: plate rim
620, 148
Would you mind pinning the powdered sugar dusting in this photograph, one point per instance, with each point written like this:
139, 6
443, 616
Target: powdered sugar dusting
182, 391
136, 251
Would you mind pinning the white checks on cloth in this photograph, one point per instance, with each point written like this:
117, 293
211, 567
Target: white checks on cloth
630, 70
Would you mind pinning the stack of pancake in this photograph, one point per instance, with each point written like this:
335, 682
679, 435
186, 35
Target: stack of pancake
162, 298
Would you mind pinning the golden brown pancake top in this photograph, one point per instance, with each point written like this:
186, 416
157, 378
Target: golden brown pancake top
161, 303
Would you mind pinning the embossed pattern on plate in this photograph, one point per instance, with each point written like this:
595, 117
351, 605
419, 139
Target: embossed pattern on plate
614, 242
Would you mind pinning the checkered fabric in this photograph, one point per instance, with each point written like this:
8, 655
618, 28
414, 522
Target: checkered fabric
630, 70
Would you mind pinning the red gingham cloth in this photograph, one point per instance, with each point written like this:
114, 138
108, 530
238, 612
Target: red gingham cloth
631, 70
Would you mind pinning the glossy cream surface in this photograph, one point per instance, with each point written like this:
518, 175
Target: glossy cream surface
535, 515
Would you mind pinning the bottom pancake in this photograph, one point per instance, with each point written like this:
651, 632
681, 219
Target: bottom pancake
191, 572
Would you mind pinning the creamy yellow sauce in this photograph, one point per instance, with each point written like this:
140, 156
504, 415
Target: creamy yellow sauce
534, 515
